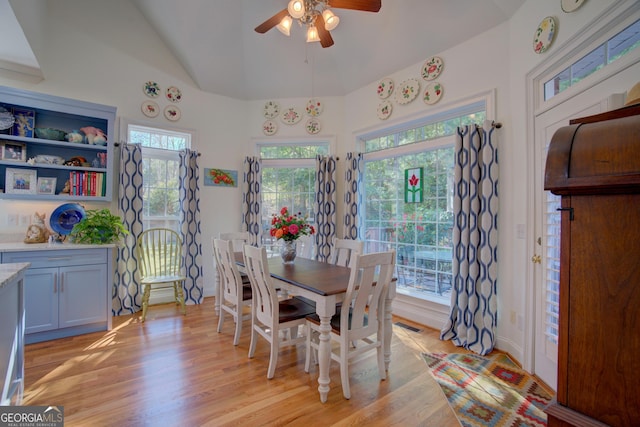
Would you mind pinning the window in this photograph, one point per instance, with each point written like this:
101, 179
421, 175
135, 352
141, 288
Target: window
611, 50
160, 157
288, 179
421, 233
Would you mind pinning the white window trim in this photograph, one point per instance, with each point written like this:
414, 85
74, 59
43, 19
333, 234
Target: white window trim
617, 18
125, 122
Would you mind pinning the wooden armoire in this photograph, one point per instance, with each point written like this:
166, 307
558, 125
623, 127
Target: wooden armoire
594, 164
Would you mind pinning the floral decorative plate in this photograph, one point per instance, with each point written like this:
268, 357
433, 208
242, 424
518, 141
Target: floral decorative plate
6, 119
544, 35
290, 116
151, 89
407, 91
314, 108
150, 108
432, 93
270, 127
271, 110
385, 88
172, 113
384, 109
173, 94
432, 68
313, 126
569, 6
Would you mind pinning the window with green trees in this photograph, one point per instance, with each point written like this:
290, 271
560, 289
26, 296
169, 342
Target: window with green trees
421, 233
288, 179
160, 165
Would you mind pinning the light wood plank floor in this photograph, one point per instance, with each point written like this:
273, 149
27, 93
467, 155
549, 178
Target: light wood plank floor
176, 370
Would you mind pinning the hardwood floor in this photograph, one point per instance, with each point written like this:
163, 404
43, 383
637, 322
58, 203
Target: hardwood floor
176, 370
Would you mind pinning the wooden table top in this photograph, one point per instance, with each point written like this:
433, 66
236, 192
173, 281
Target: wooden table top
318, 277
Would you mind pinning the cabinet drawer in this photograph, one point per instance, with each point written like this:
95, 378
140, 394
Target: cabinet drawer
57, 258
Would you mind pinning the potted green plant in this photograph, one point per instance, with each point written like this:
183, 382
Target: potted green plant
99, 226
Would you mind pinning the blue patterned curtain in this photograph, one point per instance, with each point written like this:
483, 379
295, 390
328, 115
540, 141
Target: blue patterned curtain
473, 316
251, 199
325, 208
352, 193
126, 297
189, 199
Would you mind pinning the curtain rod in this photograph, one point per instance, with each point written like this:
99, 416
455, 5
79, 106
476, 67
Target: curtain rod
117, 144
496, 125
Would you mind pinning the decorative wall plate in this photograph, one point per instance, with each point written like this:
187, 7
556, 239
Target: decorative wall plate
291, 116
384, 109
313, 126
314, 108
432, 93
432, 68
173, 94
544, 35
270, 127
569, 6
151, 89
172, 113
385, 88
150, 109
407, 91
271, 110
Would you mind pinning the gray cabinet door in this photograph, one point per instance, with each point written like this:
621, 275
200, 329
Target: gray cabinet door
82, 295
41, 290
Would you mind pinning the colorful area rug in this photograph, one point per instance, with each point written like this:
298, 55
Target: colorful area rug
489, 391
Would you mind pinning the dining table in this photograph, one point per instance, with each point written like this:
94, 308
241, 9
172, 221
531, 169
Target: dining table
326, 285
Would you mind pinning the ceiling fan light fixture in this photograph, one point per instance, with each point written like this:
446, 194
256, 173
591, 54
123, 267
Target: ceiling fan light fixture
331, 21
296, 9
285, 25
312, 34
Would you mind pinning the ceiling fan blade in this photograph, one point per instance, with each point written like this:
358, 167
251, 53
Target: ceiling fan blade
365, 5
325, 36
271, 22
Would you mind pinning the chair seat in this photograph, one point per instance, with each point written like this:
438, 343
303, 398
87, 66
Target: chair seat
294, 308
246, 292
335, 319
161, 279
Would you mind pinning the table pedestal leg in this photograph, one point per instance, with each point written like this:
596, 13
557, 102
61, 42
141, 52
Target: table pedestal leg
324, 357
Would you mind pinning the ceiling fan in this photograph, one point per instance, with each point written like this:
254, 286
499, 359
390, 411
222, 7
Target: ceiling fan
316, 16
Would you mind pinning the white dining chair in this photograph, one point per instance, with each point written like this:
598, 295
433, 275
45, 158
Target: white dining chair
269, 315
305, 247
235, 296
343, 251
363, 321
238, 239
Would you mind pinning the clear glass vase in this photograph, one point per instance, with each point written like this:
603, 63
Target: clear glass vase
288, 251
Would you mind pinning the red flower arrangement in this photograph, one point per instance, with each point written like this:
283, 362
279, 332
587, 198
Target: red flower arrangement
290, 227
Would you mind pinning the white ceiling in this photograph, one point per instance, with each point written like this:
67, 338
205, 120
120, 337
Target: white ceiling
217, 45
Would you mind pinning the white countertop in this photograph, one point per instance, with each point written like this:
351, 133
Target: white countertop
8, 272
19, 246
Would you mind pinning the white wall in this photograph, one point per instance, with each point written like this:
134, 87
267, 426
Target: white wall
104, 52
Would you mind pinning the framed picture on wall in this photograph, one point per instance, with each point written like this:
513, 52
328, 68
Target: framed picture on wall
13, 151
21, 181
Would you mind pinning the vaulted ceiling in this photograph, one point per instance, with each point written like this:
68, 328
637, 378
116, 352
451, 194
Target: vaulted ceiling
216, 43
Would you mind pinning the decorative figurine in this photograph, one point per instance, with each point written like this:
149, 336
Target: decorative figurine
37, 232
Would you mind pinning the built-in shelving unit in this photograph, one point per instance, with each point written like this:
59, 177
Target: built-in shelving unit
66, 115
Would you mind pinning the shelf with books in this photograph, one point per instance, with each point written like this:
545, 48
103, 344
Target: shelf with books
52, 140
